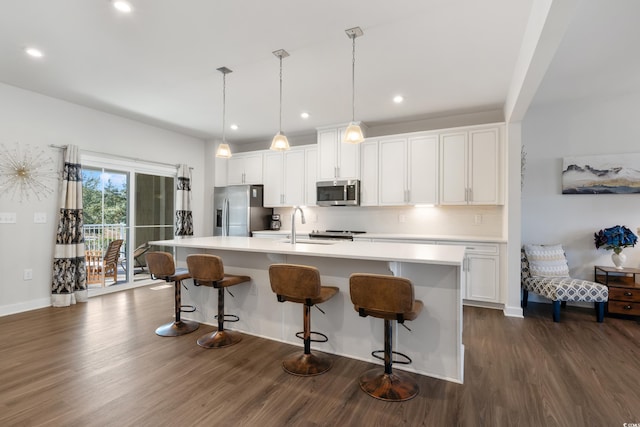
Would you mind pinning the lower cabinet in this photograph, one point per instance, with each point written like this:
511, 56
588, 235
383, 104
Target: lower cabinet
481, 271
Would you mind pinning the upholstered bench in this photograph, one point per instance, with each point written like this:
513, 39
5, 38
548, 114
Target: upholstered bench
556, 284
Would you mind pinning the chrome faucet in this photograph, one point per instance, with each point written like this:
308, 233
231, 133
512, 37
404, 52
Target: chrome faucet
293, 222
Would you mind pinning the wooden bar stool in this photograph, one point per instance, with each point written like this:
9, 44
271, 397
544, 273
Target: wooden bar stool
389, 298
301, 284
207, 270
162, 266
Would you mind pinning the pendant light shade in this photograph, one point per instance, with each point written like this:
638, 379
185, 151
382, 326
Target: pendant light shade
223, 151
280, 141
353, 134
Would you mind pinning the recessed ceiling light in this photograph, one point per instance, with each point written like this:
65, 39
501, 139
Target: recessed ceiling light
122, 6
234, 126
398, 99
304, 115
32, 51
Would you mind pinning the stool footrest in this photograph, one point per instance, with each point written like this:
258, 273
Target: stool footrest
228, 318
323, 337
406, 361
187, 308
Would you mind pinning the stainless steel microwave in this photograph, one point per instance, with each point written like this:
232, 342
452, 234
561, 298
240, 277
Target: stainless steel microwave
344, 192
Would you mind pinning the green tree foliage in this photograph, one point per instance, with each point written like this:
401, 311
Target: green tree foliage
115, 199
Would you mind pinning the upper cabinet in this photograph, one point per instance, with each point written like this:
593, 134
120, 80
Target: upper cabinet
310, 174
335, 158
369, 173
408, 171
245, 168
470, 167
284, 178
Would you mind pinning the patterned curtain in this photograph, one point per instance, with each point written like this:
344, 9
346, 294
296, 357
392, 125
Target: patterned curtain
184, 216
69, 284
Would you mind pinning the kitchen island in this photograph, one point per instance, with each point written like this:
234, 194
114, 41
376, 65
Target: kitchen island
434, 342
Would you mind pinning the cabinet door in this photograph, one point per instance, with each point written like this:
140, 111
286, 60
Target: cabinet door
327, 154
253, 169
273, 179
311, 176
422, 171
393, 171
369, 174
453, 168
484, 168
482, 278
348, 158
235, 170
294, 185
220, 178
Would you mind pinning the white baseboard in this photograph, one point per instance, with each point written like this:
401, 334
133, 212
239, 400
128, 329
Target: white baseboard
511, 311
6, 310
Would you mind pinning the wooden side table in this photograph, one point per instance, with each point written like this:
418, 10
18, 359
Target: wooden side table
624, 290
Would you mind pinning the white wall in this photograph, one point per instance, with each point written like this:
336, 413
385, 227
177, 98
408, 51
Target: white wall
579, 128
30, 118
438, 221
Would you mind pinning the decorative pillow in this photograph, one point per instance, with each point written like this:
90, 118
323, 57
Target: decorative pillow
547, 260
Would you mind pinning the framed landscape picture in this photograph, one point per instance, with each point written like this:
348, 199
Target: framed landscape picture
608, 174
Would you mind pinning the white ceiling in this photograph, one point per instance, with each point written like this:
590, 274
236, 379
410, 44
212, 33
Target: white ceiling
598, 55
158, 64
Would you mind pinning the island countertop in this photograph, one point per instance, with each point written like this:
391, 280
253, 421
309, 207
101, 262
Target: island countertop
435, 345
391, 252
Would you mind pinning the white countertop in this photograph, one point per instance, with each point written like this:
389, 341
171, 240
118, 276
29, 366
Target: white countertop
378, 251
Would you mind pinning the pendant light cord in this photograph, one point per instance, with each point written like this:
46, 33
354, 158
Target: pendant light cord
224, 106
353, 80
280, 127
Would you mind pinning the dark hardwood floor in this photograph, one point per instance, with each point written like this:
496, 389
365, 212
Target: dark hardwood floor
100, 364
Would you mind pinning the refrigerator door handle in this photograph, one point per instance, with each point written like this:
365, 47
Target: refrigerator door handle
225, 217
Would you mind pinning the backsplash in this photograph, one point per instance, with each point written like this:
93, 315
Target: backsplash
483, 221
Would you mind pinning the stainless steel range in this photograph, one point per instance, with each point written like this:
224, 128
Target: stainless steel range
334, 234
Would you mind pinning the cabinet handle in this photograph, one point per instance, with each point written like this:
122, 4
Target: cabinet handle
627, 307
628, 294
470, 195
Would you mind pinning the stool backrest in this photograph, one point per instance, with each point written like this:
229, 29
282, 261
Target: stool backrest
295, 281
161, 264
205, 268
381, 293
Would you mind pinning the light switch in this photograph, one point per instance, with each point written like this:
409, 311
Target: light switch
40, 217
7, 217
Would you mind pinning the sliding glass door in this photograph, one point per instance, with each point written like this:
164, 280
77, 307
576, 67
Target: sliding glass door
126, 205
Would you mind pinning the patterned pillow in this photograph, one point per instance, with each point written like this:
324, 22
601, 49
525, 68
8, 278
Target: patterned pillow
547, 260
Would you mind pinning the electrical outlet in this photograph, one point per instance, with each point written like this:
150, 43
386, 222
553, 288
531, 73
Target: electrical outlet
7, 217
402, 218
40, 218
478, 219
28, 274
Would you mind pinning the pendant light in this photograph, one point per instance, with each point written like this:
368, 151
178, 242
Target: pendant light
223, 150
280, 142
353, 134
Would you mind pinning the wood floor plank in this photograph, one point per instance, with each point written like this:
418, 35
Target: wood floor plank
101, 364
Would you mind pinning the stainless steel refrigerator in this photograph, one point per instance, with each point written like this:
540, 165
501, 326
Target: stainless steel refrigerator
238, 210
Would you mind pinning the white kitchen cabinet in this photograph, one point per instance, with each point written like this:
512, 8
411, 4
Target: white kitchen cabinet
369, 173
481, 272
470, 167
245, 168
284, 178
220, 173
311, 175
337, 160
408, 171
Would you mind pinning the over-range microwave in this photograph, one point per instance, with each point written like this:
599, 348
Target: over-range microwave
344, 192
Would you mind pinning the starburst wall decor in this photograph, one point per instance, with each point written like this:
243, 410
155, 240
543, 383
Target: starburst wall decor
25, 173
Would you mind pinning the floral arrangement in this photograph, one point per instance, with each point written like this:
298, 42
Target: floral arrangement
615, 238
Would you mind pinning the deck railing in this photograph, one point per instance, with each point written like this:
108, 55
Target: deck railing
98, 236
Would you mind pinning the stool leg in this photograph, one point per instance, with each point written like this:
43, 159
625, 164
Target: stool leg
388, 385
221, 337
177, 327
307, 364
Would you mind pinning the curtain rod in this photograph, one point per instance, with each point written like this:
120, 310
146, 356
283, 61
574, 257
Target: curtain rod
135, 159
